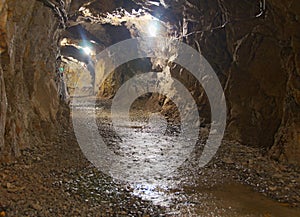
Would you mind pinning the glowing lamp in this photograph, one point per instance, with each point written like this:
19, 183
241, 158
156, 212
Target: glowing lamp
87, 50
152, 30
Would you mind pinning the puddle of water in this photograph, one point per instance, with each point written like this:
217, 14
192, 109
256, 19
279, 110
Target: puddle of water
245, 202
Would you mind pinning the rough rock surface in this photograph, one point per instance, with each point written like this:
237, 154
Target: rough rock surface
30, 105
263, 80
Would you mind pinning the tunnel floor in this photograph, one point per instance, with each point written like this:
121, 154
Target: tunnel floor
55, 179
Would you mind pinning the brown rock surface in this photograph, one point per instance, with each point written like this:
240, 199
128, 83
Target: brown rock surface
261, 90
27, 75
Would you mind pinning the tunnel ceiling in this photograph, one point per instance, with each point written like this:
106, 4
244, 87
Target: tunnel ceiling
103, 23
91, 26
99, 24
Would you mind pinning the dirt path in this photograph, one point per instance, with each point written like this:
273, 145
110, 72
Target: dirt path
55, 179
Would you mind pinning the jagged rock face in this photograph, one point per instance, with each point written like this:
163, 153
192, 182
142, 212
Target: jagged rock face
257, 60
263, 98
27, 76
286, 38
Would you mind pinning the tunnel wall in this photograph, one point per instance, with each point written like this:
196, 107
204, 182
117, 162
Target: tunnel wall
263, 85
30, 110
257, 61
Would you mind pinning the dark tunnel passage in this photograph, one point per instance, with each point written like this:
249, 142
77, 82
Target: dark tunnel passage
150, 108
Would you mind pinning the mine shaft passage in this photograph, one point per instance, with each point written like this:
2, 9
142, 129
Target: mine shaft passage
150, 108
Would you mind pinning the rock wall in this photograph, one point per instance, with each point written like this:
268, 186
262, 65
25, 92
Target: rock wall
30, 106
257, 61
287, 23
263, 80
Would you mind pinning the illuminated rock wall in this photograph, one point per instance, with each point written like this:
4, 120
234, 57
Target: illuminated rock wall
30, 106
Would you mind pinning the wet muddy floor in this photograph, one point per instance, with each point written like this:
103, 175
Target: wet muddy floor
183, 189
56, 179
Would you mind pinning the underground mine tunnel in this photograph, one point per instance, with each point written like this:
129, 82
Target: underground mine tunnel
150, 108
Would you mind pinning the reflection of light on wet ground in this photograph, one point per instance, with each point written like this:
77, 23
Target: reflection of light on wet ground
156, 155
152, 152
188, 191
152, 193
161, 195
